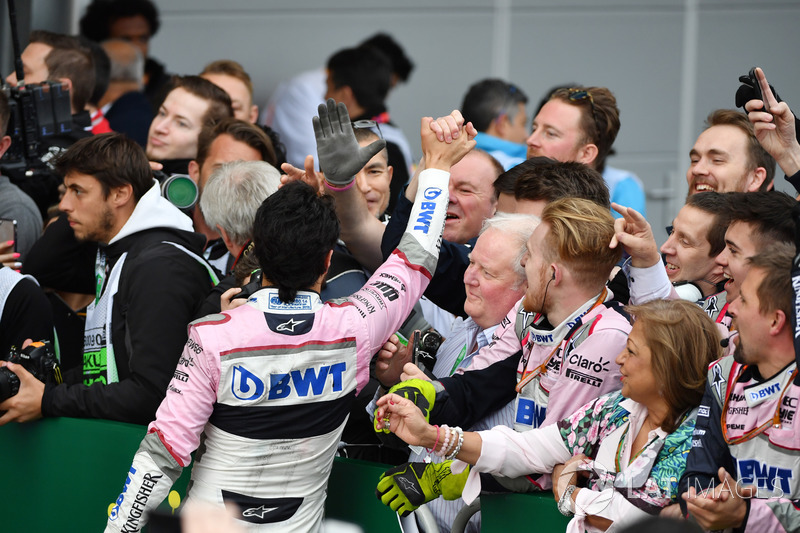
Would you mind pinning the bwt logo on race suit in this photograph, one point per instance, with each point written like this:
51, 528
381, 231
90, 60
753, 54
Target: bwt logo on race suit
114, 514
423, 222
754, 396
529, 413
247, 386
764, 476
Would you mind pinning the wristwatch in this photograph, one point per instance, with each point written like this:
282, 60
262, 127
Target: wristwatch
565, 504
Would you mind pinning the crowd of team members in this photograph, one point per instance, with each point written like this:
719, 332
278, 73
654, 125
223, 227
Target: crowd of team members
566, 350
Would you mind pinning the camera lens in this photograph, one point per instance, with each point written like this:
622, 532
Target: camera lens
9, 384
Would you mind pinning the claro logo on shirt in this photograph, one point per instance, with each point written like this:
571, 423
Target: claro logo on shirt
247, 386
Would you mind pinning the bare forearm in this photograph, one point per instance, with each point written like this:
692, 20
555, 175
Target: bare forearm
360, 231
470, 449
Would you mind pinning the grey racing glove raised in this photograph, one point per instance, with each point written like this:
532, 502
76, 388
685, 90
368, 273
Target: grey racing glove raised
339, 155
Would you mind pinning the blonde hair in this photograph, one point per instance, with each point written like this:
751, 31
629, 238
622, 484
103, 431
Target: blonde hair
683, 341
229, 67
580, 232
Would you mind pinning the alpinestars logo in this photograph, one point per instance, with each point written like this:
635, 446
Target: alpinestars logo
406, 485
289, 326
258, 511
711, 306
718, 381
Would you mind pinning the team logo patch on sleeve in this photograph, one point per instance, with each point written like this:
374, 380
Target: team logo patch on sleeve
290, 324
262, 510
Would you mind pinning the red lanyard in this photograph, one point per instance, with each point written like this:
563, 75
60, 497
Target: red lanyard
528, 376
775, 421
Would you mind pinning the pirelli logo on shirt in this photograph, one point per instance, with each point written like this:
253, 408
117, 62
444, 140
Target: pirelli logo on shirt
594, 381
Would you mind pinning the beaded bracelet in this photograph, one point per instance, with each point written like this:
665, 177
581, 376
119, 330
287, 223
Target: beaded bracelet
436, 441
446, 440
458, 446
452, 443
339, 189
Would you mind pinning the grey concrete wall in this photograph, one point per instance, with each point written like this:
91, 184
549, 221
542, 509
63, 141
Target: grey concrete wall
669, 62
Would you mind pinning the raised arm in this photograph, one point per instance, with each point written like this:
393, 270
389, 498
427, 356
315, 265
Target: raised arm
774, 124
409, 268
635, 235
340, 159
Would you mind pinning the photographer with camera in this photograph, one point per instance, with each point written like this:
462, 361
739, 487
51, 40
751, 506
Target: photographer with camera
24, 312
149, 280
64, 59
17, 209
191, 105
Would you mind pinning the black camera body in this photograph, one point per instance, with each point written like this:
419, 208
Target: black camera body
250, 288
38, 359
424, 347
38, 111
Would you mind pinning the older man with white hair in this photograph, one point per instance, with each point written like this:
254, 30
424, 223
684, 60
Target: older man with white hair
230, 199
494, 281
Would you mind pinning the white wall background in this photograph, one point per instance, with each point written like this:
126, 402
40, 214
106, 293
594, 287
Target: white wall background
669, 62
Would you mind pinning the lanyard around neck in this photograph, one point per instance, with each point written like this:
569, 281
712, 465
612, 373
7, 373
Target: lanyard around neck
528, 376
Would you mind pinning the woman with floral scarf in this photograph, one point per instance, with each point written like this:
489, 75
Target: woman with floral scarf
618, 458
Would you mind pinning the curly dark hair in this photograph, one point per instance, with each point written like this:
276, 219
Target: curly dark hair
100, 14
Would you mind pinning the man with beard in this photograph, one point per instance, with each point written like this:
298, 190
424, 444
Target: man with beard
555, 349
149, 279
741, 472
754, 221
727, 157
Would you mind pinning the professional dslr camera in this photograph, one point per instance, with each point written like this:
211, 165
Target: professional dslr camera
179, 189
38, 359
39, 111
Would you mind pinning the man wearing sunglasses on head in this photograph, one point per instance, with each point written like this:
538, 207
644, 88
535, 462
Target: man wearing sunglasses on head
580, 124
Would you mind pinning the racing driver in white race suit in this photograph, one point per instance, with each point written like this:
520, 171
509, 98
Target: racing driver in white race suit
270, 383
